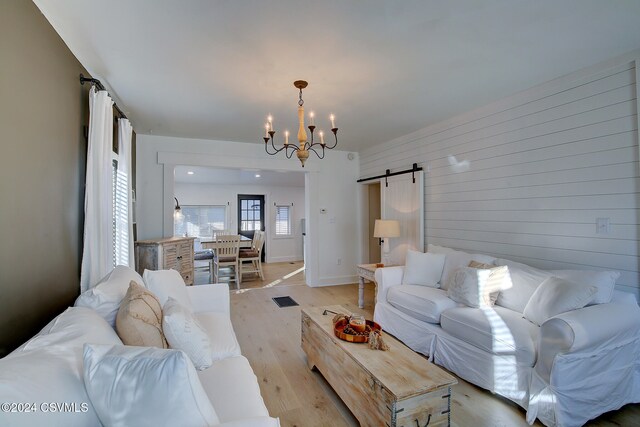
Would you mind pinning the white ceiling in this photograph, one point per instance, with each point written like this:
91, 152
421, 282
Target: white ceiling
215, 69
220, 176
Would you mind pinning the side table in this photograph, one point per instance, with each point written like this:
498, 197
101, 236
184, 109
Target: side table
365, 272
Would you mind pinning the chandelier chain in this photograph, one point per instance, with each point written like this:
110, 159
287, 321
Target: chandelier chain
301, 101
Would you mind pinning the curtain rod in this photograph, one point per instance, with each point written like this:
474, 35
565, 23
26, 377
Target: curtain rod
97, 82
388, 173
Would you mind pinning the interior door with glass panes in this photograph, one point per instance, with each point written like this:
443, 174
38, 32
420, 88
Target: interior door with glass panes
251, 216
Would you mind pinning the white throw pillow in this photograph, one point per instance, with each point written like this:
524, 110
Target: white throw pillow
165, 284
454, 260
524, 282
184, 332
556, 296
105, 297
475, 287
458, 259
423, 269
605, 281
136, 386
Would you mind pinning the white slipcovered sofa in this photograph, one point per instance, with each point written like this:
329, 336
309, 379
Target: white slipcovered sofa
44, 379
573, 367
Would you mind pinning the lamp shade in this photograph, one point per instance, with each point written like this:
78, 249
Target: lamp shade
386, 228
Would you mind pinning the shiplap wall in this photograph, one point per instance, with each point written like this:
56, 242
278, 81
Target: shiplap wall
543, 165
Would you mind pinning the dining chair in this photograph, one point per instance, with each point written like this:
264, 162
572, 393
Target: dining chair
201, 254
226, 248
254, 256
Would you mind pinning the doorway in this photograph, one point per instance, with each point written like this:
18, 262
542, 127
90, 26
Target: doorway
251, 216
374, 213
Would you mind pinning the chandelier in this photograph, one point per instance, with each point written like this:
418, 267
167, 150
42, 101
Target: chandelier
304, 145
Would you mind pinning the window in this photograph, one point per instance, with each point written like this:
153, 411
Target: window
120, 216
201, 221
283, 221
250, 214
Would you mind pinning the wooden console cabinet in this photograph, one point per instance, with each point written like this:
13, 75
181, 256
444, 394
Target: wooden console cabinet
165, 254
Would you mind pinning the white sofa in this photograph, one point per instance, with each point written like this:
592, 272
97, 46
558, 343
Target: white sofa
574, 367
49, 367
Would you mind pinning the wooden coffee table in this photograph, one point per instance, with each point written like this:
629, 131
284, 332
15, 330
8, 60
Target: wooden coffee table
381, 388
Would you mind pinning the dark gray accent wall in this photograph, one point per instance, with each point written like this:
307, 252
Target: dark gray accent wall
43, 109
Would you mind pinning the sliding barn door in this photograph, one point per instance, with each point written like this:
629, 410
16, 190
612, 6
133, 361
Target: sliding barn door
403, 200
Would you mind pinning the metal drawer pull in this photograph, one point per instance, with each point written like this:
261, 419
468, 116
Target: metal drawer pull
428, 421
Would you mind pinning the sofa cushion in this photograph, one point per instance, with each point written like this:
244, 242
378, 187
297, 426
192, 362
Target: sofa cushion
105, 297
165, 284
139, 320
74, 326
524, 281
48, 368
420, 302
423, 269
46, 375
477, 287
496, 330
184, 332
605, 281
233, 389
138, 386
221, 335
556, 296
456, 259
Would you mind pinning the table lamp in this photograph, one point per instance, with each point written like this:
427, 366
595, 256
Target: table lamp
385, 229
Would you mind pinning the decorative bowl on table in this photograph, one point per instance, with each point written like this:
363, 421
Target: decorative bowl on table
344, 329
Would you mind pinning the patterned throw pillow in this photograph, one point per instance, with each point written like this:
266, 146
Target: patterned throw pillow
184, 332
139, 319
477, 287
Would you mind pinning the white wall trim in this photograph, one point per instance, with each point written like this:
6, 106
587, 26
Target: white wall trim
232, 162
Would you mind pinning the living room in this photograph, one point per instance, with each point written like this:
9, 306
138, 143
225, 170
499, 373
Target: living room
521, 117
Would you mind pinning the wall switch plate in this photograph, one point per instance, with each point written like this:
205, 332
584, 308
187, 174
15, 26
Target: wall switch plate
603, 226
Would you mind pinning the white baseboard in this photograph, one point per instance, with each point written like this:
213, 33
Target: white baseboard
290, 258
335, 281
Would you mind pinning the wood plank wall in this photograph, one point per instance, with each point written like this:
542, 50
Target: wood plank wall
543, 165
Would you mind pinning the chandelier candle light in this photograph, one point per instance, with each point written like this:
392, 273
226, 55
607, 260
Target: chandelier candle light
304, 145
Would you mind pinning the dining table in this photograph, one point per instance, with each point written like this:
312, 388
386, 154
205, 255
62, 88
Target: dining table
245, 242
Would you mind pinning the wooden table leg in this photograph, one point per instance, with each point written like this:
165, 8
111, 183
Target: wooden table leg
361, 292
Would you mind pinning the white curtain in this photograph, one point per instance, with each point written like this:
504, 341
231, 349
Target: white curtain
123, 208
97, 253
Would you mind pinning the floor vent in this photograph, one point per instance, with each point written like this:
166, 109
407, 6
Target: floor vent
284, 302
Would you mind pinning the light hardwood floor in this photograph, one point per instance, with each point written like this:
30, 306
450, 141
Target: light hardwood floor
270, 338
